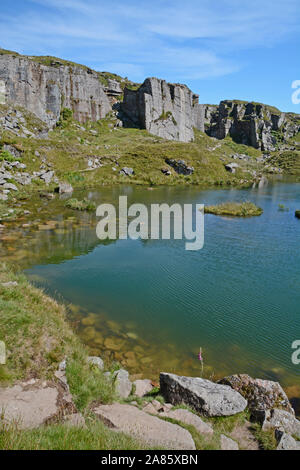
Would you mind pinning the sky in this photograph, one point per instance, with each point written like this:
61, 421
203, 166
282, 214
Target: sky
222, 49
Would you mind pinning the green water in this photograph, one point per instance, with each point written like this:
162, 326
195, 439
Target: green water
151, 304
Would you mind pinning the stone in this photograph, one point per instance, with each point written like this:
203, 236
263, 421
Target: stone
180, 166
285, 441
28, 408
97, 361
150, 408
127, 171
227, 443
75, 420
277, 418
231, 167
41, 89
47, 176
62, 365
260, 394
64, 188
163, 109
11, 186
206, 397
122, 383
144, 427
142, 387
9, 284
247, 123
187, 417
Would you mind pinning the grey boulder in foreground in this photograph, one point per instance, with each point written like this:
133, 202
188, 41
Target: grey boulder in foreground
154, 431
204, 396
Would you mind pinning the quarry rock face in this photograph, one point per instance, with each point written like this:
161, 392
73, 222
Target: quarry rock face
164, 109
258, 125
45, 90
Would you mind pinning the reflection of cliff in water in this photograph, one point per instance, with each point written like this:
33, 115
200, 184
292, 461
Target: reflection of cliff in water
62, 241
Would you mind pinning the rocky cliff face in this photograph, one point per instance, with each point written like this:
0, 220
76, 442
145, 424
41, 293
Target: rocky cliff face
44, 86
164, 109
46, 89
258, 125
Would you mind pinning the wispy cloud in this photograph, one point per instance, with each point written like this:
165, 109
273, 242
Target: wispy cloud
174, 39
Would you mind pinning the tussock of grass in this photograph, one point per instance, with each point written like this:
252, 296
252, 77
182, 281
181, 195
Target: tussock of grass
266, 439
83, 205
234, 209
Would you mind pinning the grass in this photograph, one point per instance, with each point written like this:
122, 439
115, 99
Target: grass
37, 337
70, 145
297, 214
234, 209
266, 439
61, 437
83, 205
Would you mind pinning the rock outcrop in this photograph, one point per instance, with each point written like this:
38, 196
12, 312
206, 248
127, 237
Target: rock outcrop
164, 109
206, 397
255, 124
46, 89
261, 394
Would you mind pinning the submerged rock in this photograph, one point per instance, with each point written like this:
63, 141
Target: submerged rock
206, 397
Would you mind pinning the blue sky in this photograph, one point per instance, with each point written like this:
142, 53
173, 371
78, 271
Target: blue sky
221, 49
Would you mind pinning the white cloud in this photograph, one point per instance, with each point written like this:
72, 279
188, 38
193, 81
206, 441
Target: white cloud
174, 39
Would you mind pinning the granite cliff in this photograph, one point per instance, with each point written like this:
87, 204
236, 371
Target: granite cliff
164, 109
258, 125
46, 89
46, 85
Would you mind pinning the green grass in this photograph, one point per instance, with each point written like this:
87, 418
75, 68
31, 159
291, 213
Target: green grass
266, 439
83, 205
37, 337
61, 437
234, 209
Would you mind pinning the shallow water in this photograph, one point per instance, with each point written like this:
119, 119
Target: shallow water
151, 304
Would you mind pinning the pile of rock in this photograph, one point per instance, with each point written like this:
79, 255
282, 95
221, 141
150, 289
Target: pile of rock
180, 166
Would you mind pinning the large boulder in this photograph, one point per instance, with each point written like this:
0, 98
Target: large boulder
144, 427
206, 397
260, 394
